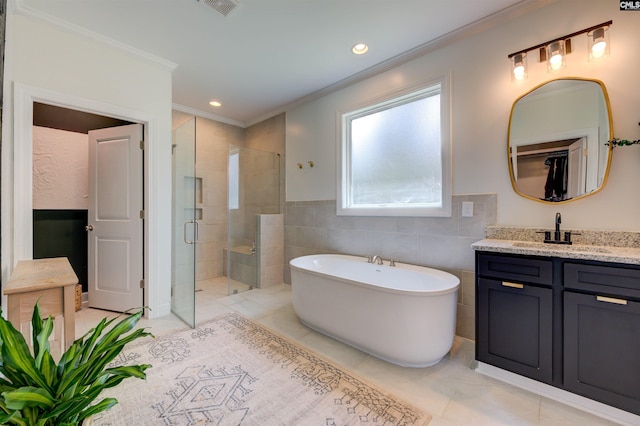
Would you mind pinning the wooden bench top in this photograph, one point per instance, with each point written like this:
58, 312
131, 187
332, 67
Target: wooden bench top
40, 274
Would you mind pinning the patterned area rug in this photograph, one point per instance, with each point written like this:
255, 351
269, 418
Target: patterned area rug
232, 371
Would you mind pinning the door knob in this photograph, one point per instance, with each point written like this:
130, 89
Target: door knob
89, 228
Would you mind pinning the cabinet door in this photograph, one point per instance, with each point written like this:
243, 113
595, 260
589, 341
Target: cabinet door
602, 349
515, 328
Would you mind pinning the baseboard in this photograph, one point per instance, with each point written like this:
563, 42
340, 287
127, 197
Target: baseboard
585, 404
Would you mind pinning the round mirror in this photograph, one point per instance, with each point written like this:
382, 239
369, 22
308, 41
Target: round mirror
558, 134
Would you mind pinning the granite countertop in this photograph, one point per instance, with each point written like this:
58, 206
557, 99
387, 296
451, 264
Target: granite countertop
605, 246
604, 253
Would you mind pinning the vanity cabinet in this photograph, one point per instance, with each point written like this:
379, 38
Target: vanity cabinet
602, 334
514, 316
572, 324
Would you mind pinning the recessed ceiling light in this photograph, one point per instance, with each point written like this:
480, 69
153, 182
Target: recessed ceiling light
215, 103
359, 48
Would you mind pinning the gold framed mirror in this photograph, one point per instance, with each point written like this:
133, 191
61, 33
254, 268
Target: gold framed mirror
557, 143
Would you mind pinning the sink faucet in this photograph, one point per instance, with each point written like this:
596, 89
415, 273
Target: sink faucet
378, 259
558, 222
557, 235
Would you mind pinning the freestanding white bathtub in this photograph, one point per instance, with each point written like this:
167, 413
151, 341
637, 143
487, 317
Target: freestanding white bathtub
404, 314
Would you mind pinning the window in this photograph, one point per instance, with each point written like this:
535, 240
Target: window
234, 180
395, 157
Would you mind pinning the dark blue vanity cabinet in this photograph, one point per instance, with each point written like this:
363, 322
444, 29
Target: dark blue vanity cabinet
572, 324
602, 333
514, 327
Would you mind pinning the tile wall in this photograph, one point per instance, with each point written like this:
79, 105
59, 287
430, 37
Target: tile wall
212, 153
270, 249
313, 227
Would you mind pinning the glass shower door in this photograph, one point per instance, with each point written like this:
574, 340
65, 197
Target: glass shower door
184, 222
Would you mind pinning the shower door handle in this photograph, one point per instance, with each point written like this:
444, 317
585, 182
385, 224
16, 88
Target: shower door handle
184, 232
195, 231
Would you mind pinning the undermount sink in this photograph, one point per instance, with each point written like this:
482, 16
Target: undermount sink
567, 247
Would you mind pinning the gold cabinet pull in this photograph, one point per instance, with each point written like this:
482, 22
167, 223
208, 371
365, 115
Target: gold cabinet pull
611, 300
512, 285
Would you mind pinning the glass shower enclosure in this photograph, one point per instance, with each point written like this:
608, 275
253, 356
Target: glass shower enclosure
223, 194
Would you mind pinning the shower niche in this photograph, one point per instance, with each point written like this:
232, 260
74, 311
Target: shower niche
193, 193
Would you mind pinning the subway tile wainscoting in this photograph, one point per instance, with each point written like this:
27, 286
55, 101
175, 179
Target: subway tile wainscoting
312, 227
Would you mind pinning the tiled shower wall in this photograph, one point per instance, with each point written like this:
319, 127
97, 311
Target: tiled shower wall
213, 139
212, 153
313, 227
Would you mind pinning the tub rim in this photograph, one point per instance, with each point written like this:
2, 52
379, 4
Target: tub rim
423, 293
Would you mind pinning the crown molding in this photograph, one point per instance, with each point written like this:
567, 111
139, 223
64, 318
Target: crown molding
203, 114
20, 8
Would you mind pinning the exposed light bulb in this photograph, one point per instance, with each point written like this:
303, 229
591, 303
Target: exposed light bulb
518, 72
599, 43
555, 53
519, 66
556, 61
598, 49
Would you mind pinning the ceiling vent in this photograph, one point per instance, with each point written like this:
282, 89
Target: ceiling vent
224, 7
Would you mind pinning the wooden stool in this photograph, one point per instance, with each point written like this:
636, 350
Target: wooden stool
50, 282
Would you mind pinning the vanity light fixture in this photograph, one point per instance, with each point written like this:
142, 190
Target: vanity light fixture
554, 51
360, 48
599, 43
519, 66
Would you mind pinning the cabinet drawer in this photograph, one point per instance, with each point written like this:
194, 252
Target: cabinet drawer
535, 271
603, 279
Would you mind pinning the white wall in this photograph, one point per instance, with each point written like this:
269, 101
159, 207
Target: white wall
62, 64
60, 169
482, 96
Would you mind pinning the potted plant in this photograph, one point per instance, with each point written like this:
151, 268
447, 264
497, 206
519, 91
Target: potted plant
34, 390
622, 142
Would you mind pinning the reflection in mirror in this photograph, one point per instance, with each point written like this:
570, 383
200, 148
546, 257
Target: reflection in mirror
558, 136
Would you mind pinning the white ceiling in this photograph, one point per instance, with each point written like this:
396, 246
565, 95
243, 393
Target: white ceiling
267, 54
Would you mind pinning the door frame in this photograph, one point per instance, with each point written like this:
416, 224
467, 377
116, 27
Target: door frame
17, 176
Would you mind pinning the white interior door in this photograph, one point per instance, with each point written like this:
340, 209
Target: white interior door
576, 184
115, 227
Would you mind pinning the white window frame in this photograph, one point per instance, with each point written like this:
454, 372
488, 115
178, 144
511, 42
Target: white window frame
234, 180
414, 92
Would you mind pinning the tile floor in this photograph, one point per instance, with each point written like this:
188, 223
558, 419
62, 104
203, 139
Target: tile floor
450, 391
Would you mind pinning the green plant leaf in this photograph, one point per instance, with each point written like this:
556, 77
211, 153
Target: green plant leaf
92, 337
68, 411
70, 380
36, 327
14, 418
16, 356
34, 391
41, 339
101, 406
129, 371
27, 396
48, 368
120, 328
